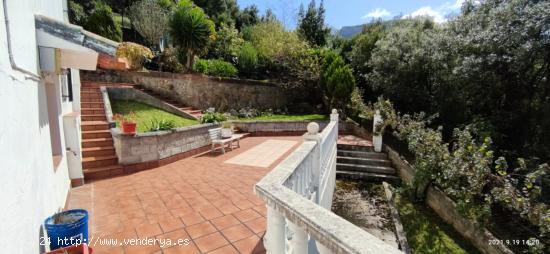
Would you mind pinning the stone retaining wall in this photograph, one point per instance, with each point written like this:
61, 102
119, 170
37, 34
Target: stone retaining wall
446, 209
200, 91
278, 128
123, 93
159, 145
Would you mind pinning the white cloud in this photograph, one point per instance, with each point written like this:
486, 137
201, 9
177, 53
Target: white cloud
377, 13
437, 15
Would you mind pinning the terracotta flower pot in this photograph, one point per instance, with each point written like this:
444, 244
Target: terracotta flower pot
129, 127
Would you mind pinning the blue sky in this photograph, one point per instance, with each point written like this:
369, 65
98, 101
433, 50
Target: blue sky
354, 12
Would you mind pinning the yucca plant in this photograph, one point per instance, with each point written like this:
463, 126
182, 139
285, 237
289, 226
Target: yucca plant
191, 30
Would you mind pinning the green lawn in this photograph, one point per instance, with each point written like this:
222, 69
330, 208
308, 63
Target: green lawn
427, 233
310, 117
145, 113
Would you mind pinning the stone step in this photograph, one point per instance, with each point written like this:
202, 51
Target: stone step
97, 142
355, 148
92, 111
195, 112
94, 117
96, 134
98, 151
365, 168
364, 161
366, 176
94, 125
361, 154
103, 172
99, 161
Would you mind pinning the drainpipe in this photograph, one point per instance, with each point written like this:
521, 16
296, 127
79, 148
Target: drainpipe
29, 74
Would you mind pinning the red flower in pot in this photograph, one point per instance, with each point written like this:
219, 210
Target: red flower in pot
126, 123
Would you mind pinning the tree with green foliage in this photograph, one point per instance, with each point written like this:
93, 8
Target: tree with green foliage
269, 16
337, 81
191, 30
311, 24
101, 22
150, 19
249, 16
247, 59
220, 11
227, 43
77, 14
284, 56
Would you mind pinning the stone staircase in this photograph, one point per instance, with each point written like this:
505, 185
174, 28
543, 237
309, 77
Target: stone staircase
361, 162
197, 113
99, 159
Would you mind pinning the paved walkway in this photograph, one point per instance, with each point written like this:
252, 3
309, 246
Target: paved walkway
202, 199
353, 140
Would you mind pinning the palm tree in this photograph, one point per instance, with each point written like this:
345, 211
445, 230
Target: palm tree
191, 30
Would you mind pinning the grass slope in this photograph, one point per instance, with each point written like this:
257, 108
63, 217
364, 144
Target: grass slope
144, 114
427, 233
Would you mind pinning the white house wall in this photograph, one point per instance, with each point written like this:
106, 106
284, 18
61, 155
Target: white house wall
30, 188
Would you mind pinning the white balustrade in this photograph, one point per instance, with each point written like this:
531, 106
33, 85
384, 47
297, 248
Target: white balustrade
298, 193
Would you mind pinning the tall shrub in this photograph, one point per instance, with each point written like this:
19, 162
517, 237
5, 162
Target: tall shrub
101, 22
247, 59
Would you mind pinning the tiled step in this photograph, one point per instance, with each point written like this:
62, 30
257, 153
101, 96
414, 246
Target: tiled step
96, 134
96, 117
98, 151
91, 96
97, 142
366, 176
364, 161
355, 148
99, 161
91, 111
195, 112
94, 125
89, 99
365, 168
90, 90
103, 172
92, 105
361, 154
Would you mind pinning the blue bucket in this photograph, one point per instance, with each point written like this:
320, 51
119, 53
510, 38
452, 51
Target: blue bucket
72, 230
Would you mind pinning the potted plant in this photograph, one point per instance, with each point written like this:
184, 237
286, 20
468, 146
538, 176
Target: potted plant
67, 228
227, 130
126, 123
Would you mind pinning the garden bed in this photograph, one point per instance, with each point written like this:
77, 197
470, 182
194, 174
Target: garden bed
364, 204
145, 115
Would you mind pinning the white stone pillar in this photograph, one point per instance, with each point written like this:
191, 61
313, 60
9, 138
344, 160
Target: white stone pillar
377, 137
299, 242
274, 239
313, 135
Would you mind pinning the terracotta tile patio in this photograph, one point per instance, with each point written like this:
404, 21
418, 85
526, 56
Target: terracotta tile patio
203, 199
